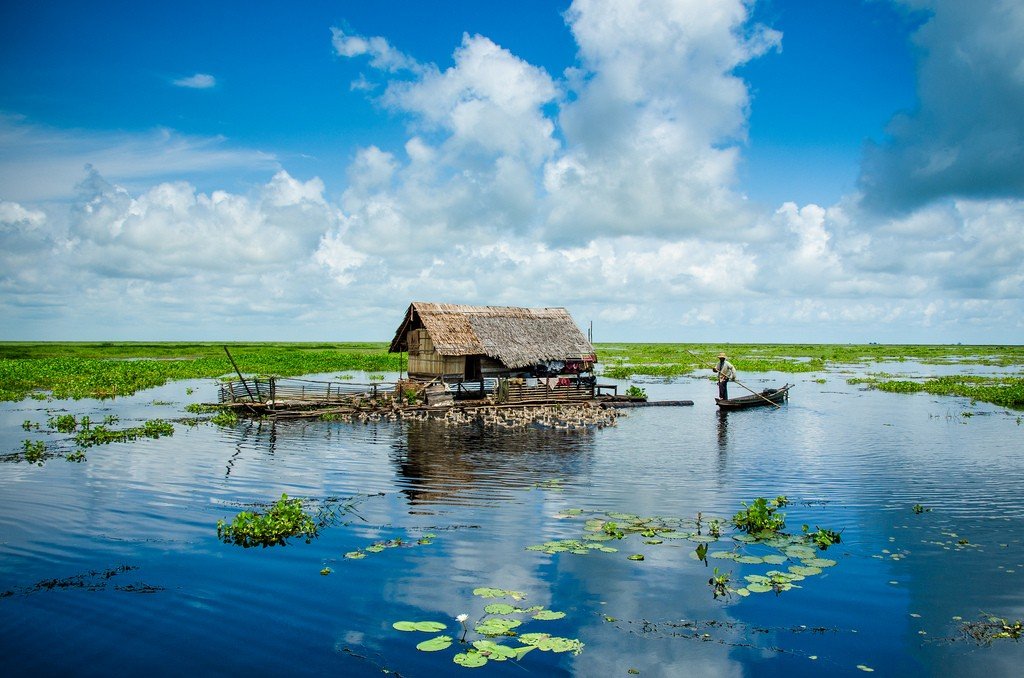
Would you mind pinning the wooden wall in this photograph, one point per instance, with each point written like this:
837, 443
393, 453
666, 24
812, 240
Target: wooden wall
424, 361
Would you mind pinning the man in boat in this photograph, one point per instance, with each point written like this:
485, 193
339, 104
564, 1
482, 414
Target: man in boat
726, 373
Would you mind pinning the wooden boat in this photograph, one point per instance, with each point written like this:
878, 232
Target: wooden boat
769, 396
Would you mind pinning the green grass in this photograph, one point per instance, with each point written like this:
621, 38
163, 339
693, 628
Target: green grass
108, 369
103, 370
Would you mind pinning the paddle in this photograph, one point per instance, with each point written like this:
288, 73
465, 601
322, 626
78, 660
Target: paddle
760, 395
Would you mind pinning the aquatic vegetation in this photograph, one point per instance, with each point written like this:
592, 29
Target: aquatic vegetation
93, 580
918, 509
636, 392
77, 456
760, 516
766, 544
992, 628
821, 537
225, 417
66, 423
106, 370
381, 546
202, 408
495, 624
101, 435
719, 583
34, 451
1004, 391
283, 520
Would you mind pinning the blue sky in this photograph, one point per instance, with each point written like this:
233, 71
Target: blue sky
780, 170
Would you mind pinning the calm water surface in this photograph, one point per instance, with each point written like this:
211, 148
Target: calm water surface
145, 587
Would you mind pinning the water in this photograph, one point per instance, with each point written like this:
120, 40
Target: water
147, 588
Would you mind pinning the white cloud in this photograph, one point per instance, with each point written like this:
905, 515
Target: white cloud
197, 81
609, 189
382, 54
41, 163
966, 137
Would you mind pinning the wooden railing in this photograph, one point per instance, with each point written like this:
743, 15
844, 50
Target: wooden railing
278, 389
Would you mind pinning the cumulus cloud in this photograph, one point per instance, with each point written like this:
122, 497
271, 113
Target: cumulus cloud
641, 140
652, 132
197, 81
966, 137
609, 189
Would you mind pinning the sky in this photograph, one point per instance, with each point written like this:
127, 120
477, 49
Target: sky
670, 170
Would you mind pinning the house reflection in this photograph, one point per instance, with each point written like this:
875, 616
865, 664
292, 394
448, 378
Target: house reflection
477, 465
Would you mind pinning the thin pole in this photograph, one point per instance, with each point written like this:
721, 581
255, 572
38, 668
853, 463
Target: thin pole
239, 372
760, 395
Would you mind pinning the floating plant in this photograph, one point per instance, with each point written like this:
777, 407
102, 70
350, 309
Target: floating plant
758, 540
991, 628
381, 546
283, 520
494, 627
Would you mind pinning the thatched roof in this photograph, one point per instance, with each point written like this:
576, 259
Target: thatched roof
517, 337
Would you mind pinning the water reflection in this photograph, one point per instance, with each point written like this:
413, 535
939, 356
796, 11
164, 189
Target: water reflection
849, 460
447, 465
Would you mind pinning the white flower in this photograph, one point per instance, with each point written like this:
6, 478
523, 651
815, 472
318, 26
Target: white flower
462, 618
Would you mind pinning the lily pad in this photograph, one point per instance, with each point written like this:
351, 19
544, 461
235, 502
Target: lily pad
800, 552
500, 608
702, 538
548, 615
741, 592
548, 643
601, 536
425, 626
355, 555
493, 651
435, 644
470, 660
724, 555
819, 562
635, 556
750, 560
774, 559
497, 626
676, 535
805, 570
487, 592
758, 588
430, 626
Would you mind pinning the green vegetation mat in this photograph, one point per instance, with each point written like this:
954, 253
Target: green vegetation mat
103, 370
107, 369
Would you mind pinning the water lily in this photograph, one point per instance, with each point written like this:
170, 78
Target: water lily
462, 620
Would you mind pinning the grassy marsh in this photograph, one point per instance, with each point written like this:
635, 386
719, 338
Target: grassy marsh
107, 369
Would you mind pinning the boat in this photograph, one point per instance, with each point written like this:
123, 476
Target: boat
769, 396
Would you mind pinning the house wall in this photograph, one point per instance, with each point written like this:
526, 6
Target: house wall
425, 362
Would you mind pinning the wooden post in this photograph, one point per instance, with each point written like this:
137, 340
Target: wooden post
239, 373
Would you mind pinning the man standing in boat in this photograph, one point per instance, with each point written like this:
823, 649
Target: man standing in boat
726, 373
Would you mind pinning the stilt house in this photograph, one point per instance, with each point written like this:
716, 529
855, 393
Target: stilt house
469, 343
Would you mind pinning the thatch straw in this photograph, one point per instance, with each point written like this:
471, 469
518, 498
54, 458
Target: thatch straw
517, 337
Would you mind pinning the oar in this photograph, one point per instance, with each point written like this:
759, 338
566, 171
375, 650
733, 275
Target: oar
760, 395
